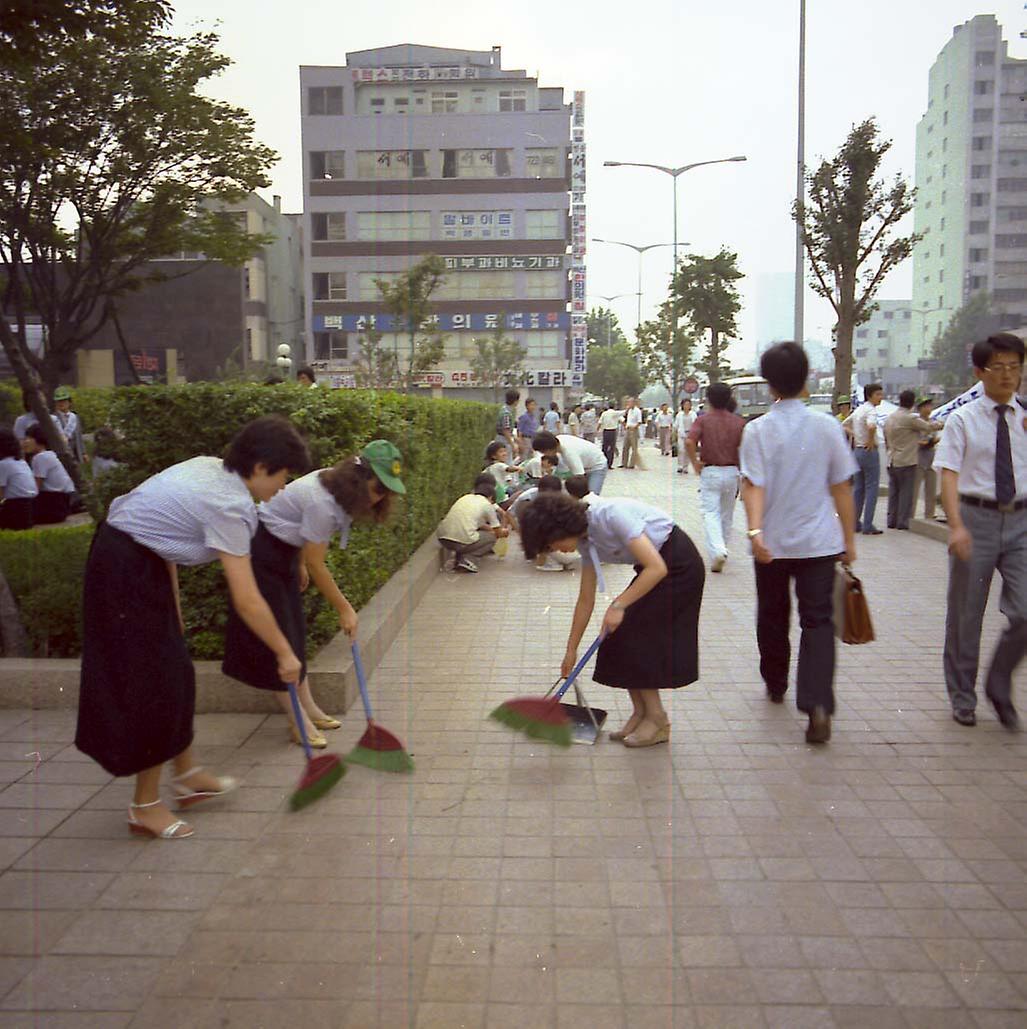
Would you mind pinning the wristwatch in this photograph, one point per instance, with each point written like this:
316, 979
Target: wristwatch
753, 533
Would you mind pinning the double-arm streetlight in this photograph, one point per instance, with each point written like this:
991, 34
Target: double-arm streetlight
609, 312
640, 251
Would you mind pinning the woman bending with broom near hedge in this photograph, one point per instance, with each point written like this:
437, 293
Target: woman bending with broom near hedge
138, 687
289, 548
651, 629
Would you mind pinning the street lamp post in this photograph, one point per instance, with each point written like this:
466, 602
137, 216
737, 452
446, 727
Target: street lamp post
640, 251
283, 360
609, 313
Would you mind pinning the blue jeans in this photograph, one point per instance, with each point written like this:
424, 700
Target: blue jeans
868, 483
596, 478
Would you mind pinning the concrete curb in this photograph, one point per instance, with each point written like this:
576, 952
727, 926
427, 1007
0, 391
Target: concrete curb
47, 683
934, 530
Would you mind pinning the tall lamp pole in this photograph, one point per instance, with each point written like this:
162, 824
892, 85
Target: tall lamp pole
609, 313
800, 183
640, 251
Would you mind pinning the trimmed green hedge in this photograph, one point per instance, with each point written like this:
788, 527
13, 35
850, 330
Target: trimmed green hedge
442, 442
93, 404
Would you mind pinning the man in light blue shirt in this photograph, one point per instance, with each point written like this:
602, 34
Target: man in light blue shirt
796, 467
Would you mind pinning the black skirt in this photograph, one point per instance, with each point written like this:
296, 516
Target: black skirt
138, 687
16, 513
657, 644
276, 567
51, 507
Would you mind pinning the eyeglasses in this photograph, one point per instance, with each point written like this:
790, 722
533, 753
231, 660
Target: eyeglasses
1004, 369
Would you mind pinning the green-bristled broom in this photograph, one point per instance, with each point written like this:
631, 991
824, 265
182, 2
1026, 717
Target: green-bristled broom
377, 748
543, 718
321, 773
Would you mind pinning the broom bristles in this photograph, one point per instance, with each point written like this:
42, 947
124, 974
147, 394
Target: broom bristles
545, 722
381, 760
309, 791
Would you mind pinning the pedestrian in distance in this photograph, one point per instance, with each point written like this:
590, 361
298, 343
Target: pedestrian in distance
551, 420
863, 424
926, 478
609, 422
289, 551
507, 420
651, 629
982, 458
53, 502
632, 423
903, 430
665, 427
18, 487
713, 443
138, 686
589, 423
796, 471
70, 424
472, 525
576, 457
574, 420
527, 426
305, 376
683, 422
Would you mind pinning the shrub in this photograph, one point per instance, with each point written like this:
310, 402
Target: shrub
441, 442
92, 404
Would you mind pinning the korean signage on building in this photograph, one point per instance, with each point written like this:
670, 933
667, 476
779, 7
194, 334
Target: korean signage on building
372, 76
579, 239
464, 378
475, 321
499, 263
477, 224
149, 366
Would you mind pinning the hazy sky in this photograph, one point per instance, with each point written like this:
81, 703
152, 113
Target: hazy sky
668, 82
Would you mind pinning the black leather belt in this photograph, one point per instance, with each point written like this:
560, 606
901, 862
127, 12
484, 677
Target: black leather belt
993, 505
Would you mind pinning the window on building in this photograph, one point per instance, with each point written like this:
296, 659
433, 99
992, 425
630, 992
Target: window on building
946, 91
978, 254
941, 275
978, 228
982, 114
475, 164
513, 100
369, 283
330, 226
545, 224
444, 101
324, 100
882, 333
941, 301
377, 105
331, 346
379, 225
982, 87
391, 164
1010, 241
984, 58
979, 199
942, 225
1012, 185
477, 286
907, 315
861, 333
476, 224
889, 315
545, 285
1013, 214
978, 281
861, 352
981, 143
945, 145
401, 104
941, 250
327, 164
246, 282
329, 285
944, 117
882, 351
944, 196
544, 163
544, 344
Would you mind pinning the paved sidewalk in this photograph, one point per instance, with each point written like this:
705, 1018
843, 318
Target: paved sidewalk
736, 877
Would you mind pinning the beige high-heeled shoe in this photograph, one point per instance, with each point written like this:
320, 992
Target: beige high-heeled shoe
326, 723
660, 735
622, 734
316, 741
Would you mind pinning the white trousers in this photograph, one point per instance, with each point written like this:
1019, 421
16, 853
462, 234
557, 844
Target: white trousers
719, 491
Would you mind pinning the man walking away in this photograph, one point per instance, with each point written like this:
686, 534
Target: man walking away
683, 422
589, 423
863, 424
632, 423
609, 420
902, 432
796, 467
551, 421
507, 420
925, 477
712, 444
574, 421
983, 462
664, 425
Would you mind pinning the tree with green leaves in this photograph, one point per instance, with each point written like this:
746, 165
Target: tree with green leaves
408, 301
974, 321
111, 156
665, 351
849, 224
604, 328
613, 372
376, 365
704, 295
498, 362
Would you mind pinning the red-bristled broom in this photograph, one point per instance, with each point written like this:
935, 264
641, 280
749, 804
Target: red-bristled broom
377, 748
543, 718
321, 773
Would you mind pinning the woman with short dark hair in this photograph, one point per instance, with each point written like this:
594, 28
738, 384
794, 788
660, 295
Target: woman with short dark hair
138, 685
651, 629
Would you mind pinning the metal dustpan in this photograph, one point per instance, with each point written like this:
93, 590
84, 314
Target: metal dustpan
586, 721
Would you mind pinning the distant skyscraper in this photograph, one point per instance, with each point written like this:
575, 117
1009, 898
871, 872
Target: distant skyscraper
971, 178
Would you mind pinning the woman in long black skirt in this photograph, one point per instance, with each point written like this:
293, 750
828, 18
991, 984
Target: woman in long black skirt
651, 628
138, 686
289, 549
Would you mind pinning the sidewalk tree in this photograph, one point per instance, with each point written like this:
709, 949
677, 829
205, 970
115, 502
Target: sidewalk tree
376, 365
704, 293
974, 321
111, 156
665, 352
604, 328
498, 361
850, 223
613, 372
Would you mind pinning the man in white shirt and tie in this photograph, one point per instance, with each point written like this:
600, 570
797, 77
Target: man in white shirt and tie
982, 458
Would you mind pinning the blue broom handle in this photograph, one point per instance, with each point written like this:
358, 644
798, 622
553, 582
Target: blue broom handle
300, 723
579, 666
358, 665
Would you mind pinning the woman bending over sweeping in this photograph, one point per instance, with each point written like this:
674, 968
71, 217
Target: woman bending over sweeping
138, 687
652, 627
296, 527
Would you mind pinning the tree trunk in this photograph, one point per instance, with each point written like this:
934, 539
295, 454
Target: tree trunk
12, 632
845, 329
714, 370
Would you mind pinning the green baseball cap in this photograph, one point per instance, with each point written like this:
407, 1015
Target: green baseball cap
924, 400
61, 393
386, 462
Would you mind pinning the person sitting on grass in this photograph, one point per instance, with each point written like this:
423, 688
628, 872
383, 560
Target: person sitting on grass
53, 505
18, 487
497, 456
473, 524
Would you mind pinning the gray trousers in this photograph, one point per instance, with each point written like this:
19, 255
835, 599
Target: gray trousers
900, 496
485, 544
999, 542
927, 479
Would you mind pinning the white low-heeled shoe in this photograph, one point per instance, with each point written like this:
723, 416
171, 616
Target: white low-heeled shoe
171, 832
186, 797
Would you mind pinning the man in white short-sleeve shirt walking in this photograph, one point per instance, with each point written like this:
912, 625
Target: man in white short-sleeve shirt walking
863, 425
632, 422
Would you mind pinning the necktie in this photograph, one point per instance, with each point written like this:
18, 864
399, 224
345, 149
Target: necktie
1005, 484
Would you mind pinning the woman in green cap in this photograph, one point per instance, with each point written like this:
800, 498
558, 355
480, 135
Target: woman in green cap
296, 527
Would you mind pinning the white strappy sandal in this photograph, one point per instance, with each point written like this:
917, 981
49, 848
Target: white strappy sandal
171, 832
186, 797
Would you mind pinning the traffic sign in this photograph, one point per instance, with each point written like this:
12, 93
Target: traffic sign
691, 384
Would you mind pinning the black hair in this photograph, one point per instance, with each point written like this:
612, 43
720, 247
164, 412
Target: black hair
549, 484
550, 517
544, 441
494, 447
272, 441
907, 398
10, 445
1000, 343
37, 433
872, 388
785, 366
550, 459
554, 406
485, 485
732, 404
347, 482
718, 394
512, 396
577, 486
530, 400
307, 371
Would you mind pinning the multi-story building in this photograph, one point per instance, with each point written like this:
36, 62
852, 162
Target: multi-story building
413, 150
971, 178
884, 341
